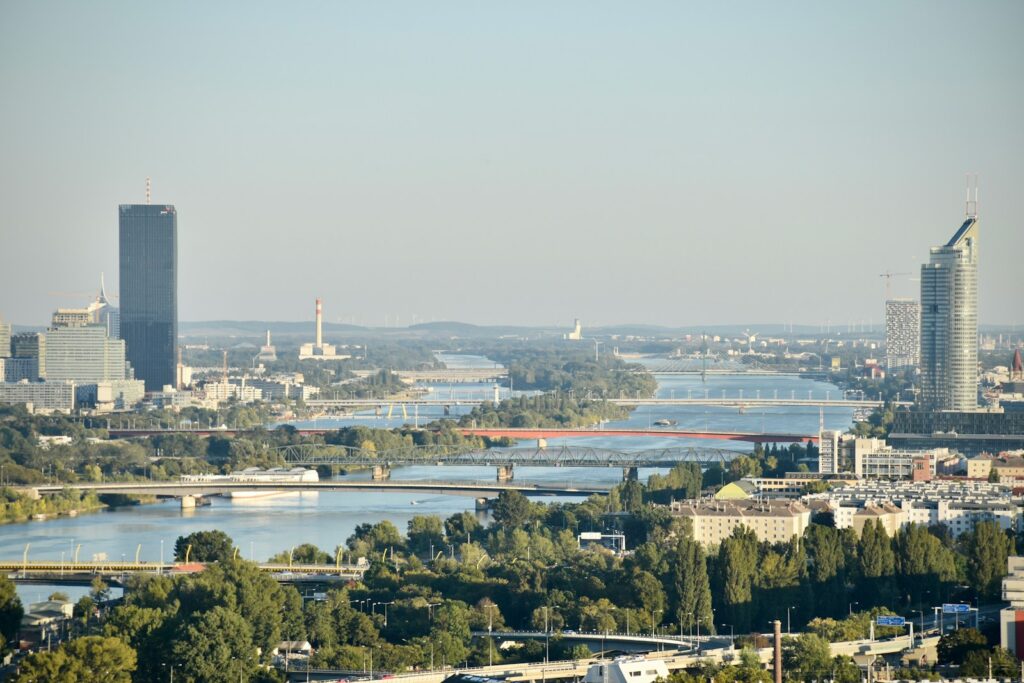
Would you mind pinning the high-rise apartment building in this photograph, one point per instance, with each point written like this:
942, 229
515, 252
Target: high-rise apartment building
949, 321
149, 291
31, 345
5, 339
902, 333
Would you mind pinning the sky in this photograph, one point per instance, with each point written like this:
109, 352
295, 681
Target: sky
528, 163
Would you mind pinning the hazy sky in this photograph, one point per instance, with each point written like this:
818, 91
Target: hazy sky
523, 162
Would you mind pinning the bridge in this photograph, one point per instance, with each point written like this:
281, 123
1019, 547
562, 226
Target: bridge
449, 375
504, 459
514, 433
738, 401
199, 487
555, 433
74, 572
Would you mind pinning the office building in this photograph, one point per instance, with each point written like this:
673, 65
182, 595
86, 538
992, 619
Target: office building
17, 369
773, 521
84, 354
902, 333
40, 396
31, 345
149, 291
5, 339
949, 321
970, 431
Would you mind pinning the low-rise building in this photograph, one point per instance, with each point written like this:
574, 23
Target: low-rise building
959, 505
773, 521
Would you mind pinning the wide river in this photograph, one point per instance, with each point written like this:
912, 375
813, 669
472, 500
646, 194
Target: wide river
263, 527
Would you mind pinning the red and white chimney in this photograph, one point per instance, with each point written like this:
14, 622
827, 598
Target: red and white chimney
319, 324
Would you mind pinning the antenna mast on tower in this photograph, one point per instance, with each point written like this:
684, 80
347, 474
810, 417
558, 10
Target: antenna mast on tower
972, 204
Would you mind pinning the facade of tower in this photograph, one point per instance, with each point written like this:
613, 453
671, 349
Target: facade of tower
949, 323
149, 291
902, 333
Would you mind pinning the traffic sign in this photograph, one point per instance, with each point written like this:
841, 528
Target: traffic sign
889, 620
955, 608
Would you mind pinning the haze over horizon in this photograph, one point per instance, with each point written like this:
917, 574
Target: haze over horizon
665, 164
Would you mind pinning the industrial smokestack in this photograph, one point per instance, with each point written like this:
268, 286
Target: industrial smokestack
319, 324
778, 651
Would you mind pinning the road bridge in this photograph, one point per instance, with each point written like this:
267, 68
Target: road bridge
519, 433
738, 401
449, 375
553, 433
73, 572
210, 487
504, 459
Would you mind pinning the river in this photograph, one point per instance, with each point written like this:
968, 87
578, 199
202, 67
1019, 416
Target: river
263, 527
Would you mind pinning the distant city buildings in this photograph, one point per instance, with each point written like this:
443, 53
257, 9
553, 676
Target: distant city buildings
902, 333
40, 396
949, 321
149, 291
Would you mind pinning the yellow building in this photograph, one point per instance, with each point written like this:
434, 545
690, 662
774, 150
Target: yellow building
772, 521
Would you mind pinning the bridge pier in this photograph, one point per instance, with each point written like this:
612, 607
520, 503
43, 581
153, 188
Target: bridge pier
505, 473
630, 474
483, 504
188, 502
381, 472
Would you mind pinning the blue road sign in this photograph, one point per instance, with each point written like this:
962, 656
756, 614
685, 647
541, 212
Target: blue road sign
955, 608
888, 620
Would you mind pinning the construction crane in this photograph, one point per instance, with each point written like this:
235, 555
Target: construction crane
888, 275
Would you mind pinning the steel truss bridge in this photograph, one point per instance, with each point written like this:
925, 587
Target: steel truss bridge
313, 455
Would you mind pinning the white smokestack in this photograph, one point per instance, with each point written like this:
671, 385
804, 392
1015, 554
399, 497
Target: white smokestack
319, 324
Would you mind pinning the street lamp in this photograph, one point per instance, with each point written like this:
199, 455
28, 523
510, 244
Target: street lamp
788, 631
732, 636
851, 607
490, 633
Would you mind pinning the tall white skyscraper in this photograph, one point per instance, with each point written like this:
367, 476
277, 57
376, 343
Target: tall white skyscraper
949, 320
902, 333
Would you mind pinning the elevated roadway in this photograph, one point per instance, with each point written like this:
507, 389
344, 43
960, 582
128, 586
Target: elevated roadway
74, 572
180, 489
449, 375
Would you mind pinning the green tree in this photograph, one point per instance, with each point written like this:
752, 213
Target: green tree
512, 510
214, 647
1004, 665
922, 562
10, 609
807, 658
90, 659
987, 548
207, 546
425, 533
631, 494
691, 584
737, 567
954, 646
875, 551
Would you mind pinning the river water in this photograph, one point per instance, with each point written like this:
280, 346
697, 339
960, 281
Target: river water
263, 527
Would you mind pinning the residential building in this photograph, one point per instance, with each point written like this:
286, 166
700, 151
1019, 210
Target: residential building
902, 333
106, 395
226, 391
40, 396
828, 451
959, 505
949, 321
1011, 619
149, 290
773, 521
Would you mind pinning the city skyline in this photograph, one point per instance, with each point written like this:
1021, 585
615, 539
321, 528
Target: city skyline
709, 151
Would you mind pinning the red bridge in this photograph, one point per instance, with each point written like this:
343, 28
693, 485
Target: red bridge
543, 433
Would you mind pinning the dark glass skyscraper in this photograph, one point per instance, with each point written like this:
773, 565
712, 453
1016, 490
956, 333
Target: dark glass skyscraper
149, 291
